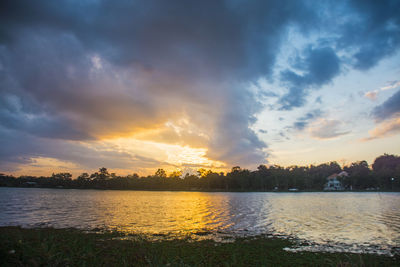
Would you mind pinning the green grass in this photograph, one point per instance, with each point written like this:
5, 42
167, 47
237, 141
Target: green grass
71, 247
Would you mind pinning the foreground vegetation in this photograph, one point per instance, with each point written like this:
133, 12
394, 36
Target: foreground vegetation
70, 247
384, 175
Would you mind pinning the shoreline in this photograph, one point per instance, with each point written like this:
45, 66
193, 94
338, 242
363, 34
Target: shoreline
205, 191
49, 246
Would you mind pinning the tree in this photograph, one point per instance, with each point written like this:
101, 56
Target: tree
132, 176
191, 181
385, 168
359, 175
263, 180
239, 178
104, 173
386, 163
235, 169
161, 173
213, 180
203, 172
65, 176
175, 174
83, 177
101, 175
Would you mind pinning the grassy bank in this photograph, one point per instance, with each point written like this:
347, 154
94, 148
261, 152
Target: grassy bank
52, 247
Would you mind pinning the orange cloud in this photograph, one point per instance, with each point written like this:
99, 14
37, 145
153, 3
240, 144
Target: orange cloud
386, 128
372, 95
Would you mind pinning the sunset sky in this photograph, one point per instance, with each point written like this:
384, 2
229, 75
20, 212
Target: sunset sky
139, 85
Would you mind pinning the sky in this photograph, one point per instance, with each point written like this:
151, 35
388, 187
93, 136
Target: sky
139, 85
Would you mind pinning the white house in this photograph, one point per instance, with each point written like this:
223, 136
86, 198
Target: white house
333, 184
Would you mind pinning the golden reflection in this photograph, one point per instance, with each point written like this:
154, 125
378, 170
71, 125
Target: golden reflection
175, 212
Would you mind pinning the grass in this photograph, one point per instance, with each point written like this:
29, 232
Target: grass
71, 247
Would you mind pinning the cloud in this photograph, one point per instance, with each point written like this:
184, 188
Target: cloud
318, 100
320, 65
100, 69
317, 126
377, 24
388, 109
39, 124
387, 115
372, 95
305, 120
391, 85
384, 129
326, 129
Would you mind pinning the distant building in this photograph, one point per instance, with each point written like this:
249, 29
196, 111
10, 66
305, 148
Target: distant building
30, 184
333, 184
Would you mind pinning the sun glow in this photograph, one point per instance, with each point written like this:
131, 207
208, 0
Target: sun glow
174, 155
36, 165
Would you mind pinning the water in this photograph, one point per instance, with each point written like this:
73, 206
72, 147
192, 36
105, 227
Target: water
345, 221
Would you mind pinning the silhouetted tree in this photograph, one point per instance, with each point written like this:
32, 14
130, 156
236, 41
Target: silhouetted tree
385, 174
62, 176
83, 177
102, 175
161, 173
387, 169
359, 176
175, 174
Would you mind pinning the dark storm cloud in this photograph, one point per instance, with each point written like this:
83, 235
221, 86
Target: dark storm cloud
194, 35
78, 70
319, 65
43, 126
388, 109
162, 60
374, 33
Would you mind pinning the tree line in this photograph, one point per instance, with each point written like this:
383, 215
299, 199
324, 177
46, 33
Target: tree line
384, 175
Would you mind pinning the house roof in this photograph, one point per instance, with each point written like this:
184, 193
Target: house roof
335, 175
332, 176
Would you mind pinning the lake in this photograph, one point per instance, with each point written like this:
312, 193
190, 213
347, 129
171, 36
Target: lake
342, 221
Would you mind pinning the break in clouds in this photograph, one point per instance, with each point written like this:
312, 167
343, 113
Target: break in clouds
177, 72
